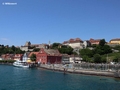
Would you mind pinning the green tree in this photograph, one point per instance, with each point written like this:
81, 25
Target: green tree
66, 50
117, 47
10, 50
13, 48
75, 53
97, 58
98, 51
33, 57
94, 45
116, 58
86, 58
102, 50
102, 42
106, 49
69, 50
55, 45
63, 48
36, 49
86, 52
103, 59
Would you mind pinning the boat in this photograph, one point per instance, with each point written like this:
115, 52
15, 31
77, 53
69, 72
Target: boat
19, 63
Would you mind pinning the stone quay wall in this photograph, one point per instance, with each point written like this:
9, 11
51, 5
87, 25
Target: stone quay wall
96, 69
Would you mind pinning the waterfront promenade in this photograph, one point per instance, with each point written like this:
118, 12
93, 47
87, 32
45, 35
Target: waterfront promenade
72, 68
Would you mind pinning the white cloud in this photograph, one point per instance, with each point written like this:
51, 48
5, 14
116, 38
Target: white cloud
4, 39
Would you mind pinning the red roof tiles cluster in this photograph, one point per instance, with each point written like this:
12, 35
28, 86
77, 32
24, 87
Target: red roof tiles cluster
73, 41
52, 52
11, 56
94, 41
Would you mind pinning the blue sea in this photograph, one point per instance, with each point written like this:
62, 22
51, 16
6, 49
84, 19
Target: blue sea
14, 78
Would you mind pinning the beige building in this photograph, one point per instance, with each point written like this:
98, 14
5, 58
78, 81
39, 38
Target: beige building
115, 41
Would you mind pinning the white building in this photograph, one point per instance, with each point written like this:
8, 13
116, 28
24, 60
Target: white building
24, 48
75, 59
86, 43
74, 43
25, 57
1, 58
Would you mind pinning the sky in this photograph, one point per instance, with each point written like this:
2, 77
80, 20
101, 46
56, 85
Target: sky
41, 21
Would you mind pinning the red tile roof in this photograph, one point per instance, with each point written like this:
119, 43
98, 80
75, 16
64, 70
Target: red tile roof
18, 55
94, 40
52, 52
33, 53
7, 56
65, 42
73, 40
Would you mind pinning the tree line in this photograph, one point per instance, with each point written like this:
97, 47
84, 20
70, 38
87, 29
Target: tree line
63, 48
11, 50
94, 53
99, 53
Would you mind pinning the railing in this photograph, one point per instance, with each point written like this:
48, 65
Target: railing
94, 66
85, 66
89, 67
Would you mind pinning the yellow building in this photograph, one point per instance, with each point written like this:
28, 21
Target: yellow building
115, 41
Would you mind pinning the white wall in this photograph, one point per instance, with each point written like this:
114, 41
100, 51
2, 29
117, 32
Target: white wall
76, 45
24, 48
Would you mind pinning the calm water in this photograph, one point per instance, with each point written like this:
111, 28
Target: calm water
13, 78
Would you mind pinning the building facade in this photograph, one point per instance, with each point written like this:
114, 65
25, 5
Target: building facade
115, 41
94, 41
18, 56
29, 47
75, 59
46, 56
74, 43
65, 59
7, 56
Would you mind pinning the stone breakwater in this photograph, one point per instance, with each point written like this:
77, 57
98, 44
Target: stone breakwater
82, 71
